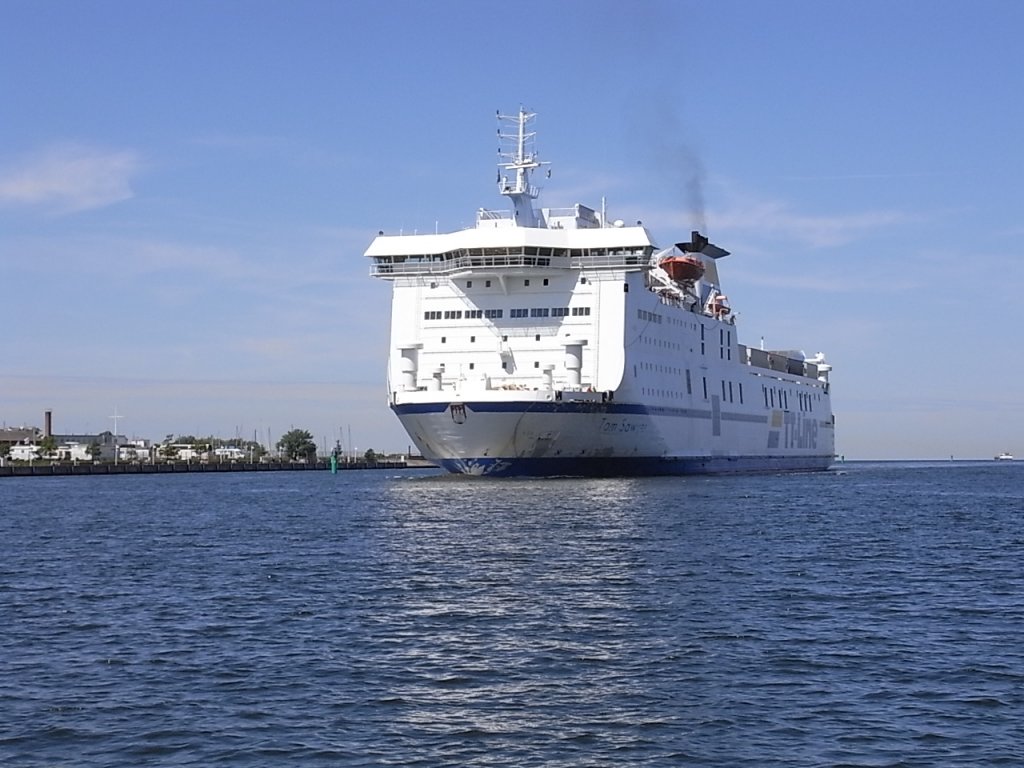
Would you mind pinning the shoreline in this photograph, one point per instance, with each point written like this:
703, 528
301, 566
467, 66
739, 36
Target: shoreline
168, 468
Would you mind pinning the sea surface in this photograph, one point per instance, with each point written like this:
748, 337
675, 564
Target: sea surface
872, 615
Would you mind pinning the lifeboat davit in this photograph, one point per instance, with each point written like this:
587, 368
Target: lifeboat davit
719, 306
683, 268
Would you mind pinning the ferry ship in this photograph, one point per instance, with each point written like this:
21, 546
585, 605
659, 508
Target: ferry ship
554, 342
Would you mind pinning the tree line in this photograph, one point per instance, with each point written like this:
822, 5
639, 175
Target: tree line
294, 445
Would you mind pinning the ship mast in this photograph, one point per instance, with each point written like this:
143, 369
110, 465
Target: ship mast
518, 154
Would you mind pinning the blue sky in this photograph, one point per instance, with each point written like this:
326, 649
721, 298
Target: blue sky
187, 189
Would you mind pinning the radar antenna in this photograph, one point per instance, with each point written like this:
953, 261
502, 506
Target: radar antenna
517, 153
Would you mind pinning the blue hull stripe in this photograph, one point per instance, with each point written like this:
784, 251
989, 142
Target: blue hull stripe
574, 407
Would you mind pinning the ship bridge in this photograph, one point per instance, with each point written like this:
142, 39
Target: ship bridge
511, 249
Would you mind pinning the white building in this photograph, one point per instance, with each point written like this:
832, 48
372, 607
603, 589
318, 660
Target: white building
228, 453
74, 451
25, 452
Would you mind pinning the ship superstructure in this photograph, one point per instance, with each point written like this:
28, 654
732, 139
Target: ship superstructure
556, 342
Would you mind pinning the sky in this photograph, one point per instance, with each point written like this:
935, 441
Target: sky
187, 190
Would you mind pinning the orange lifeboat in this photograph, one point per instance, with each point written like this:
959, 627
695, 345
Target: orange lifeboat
683, 268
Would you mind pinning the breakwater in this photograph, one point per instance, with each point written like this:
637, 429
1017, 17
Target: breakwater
163, 467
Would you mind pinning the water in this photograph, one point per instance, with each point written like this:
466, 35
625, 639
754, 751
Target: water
866, 617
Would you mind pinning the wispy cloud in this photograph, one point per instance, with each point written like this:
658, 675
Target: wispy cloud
266, 146
737, 211
777, 219
69, 177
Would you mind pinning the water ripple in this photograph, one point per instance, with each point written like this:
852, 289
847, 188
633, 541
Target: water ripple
863, 618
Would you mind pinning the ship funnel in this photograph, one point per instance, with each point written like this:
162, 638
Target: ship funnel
699, 244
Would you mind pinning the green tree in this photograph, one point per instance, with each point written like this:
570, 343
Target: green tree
257, 450
297, 445
47, 446
94, 450
169, 452
370, 456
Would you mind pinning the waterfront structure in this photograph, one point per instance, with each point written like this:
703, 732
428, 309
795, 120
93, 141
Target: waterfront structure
12, 436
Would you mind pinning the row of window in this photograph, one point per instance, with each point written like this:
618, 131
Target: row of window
805, 401
650, 340
728, 392
655, 317
529, 250
773, 397
493, 314
769, 398
724, 337
526, 282
472, 339
651, 317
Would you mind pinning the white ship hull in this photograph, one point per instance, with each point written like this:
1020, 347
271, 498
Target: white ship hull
595, 438
556, 342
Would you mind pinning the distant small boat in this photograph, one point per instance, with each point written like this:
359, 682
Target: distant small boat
1004, 457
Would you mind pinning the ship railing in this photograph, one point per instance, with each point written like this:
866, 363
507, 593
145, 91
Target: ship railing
560, 213
467, 263
485, 214
508, 383
779, 362
609, 261
464, 264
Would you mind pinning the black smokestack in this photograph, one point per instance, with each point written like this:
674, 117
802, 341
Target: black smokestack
47, 423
